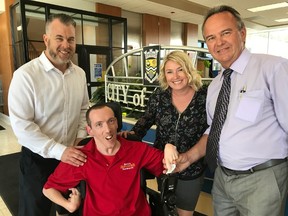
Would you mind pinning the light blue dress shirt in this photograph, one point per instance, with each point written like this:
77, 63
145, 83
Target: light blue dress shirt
256, 127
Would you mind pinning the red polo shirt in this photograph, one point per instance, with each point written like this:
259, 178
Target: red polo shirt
111, 189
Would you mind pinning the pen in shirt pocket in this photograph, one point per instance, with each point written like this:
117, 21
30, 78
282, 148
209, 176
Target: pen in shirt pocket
242, 91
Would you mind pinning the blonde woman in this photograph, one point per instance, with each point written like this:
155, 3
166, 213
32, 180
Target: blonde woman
177, 108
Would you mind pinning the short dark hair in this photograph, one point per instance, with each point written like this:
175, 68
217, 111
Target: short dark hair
95, 107
63, 18
221, 9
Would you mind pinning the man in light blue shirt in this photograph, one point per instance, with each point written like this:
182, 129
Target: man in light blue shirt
252, 173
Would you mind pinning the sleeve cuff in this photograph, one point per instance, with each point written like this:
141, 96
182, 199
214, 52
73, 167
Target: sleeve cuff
57, 151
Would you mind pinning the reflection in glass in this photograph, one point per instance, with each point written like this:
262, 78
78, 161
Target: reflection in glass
118, 34
95, 30
35, 16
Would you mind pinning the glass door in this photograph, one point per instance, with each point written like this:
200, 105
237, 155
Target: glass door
93, 60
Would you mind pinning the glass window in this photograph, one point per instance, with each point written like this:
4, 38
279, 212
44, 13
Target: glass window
16, 23
118, 34
278, 43
274, 42
77, 18
35, 16
97, 67
95, 31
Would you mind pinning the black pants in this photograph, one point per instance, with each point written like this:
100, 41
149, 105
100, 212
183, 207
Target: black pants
34, 171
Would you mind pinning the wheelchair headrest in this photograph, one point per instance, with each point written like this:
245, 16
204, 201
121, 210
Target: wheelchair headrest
116, 107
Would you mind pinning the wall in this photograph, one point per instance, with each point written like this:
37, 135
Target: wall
134, 29
155, 30
109, 10
177, 30
190, 36
84, 5
6, 65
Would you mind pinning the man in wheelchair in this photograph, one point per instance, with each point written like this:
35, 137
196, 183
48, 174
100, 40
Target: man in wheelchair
111, 172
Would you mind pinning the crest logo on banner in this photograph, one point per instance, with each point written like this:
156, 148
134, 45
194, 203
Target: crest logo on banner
151, 64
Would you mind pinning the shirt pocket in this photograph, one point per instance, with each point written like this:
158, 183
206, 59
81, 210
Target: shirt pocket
250, 106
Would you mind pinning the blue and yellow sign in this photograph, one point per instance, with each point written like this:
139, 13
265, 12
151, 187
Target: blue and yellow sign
151, 64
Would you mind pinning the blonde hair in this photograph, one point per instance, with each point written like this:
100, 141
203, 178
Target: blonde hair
181, 58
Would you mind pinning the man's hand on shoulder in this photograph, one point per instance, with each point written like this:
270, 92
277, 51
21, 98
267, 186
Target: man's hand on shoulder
73, 156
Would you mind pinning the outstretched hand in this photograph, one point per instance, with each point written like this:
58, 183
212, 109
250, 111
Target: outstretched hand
170, 156
182, 162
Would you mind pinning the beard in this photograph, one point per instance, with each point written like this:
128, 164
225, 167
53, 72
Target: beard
57, 59
57, 56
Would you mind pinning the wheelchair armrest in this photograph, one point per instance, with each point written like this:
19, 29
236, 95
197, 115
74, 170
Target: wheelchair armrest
133, 137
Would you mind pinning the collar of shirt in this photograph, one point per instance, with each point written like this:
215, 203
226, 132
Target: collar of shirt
240, 64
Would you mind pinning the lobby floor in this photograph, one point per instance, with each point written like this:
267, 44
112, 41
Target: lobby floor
8, 145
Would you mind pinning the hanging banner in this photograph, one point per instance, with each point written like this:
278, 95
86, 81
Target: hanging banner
151, 55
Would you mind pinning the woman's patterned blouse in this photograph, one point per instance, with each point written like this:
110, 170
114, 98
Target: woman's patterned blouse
181, 129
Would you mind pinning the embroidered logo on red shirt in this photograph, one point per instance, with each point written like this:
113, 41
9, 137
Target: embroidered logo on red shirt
127, 166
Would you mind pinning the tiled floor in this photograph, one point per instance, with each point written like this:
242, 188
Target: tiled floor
8, 145
4, 211
8, 141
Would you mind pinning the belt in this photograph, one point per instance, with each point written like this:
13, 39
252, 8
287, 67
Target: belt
265, 165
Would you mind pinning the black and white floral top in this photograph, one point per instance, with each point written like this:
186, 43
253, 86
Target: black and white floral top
181, 129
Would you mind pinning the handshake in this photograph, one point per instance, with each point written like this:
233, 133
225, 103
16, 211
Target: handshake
173, 161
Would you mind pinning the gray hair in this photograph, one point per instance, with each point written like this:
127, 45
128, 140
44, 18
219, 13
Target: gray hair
221, 9
63, 18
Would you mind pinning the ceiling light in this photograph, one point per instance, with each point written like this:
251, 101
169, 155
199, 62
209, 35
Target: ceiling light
282, 20
269, 7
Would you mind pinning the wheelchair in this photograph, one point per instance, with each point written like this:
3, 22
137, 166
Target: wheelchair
162, 204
